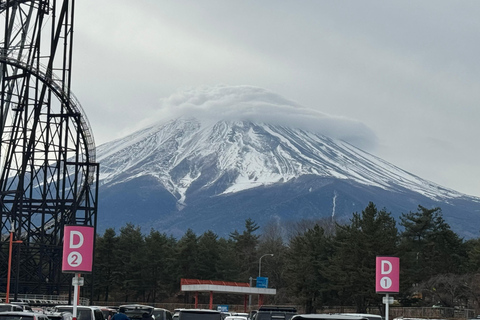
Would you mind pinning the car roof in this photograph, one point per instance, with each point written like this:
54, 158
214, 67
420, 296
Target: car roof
327, 316
278, 308
22, 313
368, 315
78, 307
200, 310
11, 304
134, 305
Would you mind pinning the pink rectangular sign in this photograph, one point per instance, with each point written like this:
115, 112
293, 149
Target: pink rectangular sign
388, 275
77, 249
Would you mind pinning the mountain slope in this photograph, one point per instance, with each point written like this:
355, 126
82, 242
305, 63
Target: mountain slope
190, 173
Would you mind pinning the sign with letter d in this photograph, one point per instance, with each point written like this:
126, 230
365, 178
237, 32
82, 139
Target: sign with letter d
387, 275
77, 249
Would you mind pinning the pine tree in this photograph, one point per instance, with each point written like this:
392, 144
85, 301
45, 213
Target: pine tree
429, 248
307, 263
246, 249
105, 263
370, 234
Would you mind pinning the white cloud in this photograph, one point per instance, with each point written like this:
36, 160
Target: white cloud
257, 104
408, 70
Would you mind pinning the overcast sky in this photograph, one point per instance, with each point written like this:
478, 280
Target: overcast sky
408, 71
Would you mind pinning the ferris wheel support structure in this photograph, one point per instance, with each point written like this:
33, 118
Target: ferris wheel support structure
48, 173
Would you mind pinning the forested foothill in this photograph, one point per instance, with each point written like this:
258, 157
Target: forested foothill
314, 263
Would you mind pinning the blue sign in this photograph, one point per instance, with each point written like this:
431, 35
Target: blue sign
262, 282
222, 308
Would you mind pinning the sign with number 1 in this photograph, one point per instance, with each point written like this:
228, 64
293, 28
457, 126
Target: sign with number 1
387, 275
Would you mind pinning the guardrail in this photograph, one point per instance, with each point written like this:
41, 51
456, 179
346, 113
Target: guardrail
44, 300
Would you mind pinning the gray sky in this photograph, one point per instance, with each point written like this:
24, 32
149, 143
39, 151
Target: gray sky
407, 70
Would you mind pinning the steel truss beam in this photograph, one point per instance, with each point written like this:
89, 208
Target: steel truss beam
48, 173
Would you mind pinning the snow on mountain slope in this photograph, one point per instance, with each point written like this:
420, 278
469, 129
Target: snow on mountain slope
244, 155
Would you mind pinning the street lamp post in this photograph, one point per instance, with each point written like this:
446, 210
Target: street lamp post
10, 246
260, 263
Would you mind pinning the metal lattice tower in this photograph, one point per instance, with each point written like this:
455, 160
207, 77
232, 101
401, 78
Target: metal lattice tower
48, 174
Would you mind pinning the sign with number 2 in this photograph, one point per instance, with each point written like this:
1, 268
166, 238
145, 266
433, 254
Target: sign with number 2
77, 249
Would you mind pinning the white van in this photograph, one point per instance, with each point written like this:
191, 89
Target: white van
83, 312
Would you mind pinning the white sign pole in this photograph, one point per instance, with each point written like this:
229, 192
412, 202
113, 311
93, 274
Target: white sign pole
387, 305
75, 295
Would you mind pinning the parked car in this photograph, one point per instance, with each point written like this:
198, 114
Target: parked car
199, 314
137, 311
326, 316
365, 315
83, 312
275, 312
107, 312
162, 314
22, 315
236, 318
176, 313
25, 306
224, 314
58, 315
10, 307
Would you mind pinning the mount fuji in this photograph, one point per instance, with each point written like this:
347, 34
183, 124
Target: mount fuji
212, 174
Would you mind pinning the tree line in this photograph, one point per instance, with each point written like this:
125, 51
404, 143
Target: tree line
319, 263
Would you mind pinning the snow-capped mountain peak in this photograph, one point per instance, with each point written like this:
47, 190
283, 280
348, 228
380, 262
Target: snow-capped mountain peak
188, 154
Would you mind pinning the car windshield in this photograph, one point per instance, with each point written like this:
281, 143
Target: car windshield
274, 315
159, 314
16, 317
136, 312
198, 315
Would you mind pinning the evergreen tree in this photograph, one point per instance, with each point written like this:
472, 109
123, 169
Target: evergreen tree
428, 248
227, 266
307, 262
187, 256
370, 234
208, 256
159, 267
104, 267
130, 259
271, 241
246, 249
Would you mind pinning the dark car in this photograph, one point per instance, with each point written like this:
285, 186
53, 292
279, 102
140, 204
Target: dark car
162, 314
275, 313
199, 314
137, 311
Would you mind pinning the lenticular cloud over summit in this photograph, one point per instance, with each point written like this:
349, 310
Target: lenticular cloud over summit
260, 105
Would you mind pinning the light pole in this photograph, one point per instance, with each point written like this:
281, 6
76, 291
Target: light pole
260, 263
10, 246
